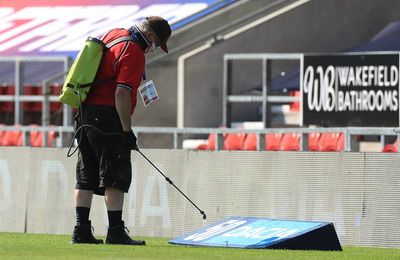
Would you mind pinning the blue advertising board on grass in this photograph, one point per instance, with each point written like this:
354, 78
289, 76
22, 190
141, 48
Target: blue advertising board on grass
251, 232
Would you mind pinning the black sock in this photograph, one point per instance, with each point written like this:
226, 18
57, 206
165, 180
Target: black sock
114, 218
82, 215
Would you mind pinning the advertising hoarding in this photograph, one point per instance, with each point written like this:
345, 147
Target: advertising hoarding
351, 90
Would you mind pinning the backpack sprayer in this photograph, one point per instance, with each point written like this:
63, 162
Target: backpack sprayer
80, 79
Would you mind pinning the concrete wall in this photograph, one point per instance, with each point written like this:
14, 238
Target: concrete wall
317, 26
358, 192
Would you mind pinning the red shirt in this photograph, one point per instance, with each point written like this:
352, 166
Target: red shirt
125, 61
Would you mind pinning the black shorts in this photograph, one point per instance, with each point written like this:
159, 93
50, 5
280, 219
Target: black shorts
103, 159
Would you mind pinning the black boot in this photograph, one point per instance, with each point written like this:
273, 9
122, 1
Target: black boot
119, 235
83, 235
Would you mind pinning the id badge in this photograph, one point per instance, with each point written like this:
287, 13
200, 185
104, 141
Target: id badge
148, 93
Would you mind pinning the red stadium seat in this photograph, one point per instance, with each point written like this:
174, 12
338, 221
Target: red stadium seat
234, 141
391, 148
55, 91
331, 142
36, 138
273, 142
38, 141
250, 143
205, 146
313, 141
37, 106
33, 135
340, 142
12, 138
7, 106
202, 147
210, 143
295, 106
28, 90
290, 142
2, 133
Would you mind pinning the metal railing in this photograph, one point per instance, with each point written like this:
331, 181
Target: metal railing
67, 115
19, 80
349, 132
177, 134
228, 98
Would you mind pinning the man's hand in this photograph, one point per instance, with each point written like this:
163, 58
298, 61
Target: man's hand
129, 139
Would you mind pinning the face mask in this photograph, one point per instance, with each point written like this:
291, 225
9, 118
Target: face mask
151, 48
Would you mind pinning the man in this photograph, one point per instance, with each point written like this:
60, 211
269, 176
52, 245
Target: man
104, 166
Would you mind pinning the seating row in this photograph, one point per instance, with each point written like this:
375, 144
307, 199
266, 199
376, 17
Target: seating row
15, 138
323, 142
29, 106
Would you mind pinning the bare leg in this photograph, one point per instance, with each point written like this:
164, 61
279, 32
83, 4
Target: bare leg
114, 199
83, 198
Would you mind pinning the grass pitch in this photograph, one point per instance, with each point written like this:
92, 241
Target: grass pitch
33, 246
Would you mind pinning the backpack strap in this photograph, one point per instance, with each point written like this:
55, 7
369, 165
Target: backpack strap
107, 47
118, 40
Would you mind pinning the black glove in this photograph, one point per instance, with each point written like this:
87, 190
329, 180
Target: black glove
129, 140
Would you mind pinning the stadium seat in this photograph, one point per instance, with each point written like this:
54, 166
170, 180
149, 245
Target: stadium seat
234, 141
1, 133
313, 141
391, 148
295, 106
36, 137
273, 142
331, 142
28, 90
55, 91
32, 106
12, 138
340, 142
290, 142
210, 143
37, 140
202, 147
33, 135
37, 106
250, 143
7, 106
